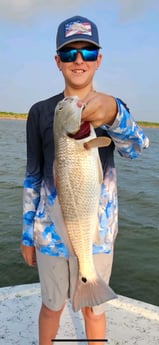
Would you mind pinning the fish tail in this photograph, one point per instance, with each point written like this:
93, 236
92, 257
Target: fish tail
89, 294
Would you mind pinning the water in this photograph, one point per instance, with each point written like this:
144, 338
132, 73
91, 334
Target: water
136, 269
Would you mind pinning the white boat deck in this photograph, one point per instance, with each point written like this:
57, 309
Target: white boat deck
128, 321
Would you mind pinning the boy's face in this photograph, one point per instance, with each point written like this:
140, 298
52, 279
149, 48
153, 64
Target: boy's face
79, 73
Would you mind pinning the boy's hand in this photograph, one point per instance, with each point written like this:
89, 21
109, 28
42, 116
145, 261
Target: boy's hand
101, 109
28, 254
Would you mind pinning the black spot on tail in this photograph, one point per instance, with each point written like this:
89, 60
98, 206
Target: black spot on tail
84, 280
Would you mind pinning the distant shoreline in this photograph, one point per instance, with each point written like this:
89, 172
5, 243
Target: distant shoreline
15, 116
8, 116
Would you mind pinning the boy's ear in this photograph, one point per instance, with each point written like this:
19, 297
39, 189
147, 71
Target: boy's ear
99, 59
57, 59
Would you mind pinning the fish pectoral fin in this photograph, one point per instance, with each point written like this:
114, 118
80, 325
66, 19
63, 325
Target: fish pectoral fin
89, 294
97, 142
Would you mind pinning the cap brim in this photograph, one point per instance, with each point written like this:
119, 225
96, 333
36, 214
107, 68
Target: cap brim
79, 40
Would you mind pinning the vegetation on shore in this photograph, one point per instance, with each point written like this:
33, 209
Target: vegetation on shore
148, 124
23, 116
13, 116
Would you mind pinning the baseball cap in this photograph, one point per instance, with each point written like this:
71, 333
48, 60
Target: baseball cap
76, 29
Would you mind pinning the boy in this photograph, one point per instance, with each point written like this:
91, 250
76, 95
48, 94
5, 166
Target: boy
78, 57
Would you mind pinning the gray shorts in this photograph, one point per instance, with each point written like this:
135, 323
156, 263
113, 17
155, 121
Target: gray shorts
57, 284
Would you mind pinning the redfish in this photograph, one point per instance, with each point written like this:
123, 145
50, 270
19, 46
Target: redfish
78, 177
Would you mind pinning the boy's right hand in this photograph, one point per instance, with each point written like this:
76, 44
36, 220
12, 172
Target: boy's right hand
28, 254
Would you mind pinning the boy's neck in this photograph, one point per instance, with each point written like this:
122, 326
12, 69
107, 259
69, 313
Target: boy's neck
82, 94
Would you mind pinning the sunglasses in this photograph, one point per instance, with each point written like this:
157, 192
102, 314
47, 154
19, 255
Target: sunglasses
70, 54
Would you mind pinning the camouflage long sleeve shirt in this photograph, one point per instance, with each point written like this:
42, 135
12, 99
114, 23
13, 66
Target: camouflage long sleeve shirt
40, 193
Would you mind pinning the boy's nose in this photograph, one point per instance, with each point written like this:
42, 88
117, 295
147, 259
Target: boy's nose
79, 58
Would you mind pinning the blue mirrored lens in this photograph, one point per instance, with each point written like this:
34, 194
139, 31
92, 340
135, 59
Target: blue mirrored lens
70, 54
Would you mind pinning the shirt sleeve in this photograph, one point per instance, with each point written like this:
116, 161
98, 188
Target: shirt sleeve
128, 137
33, 176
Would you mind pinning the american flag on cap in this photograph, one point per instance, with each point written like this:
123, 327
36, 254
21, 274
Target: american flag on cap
78, 28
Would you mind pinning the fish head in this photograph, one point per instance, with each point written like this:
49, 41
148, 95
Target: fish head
67, 119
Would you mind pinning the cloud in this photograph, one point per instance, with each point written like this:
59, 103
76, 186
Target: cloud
21, 10
129, 9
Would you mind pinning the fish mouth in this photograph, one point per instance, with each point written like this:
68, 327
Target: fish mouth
83, 132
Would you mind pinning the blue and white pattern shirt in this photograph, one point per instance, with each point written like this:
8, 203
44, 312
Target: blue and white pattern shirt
40, 194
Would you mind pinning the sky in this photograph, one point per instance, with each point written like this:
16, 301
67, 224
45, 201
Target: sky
129, 36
